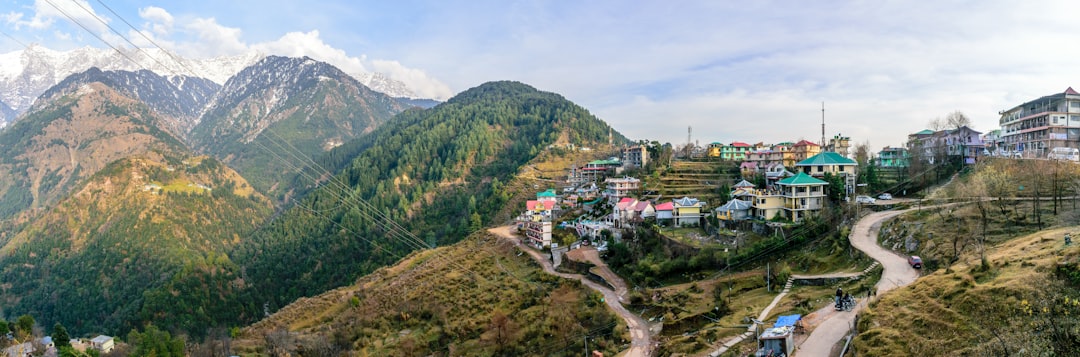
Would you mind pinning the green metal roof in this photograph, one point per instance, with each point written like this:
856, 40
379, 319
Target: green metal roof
548, 193
826, 158
605, 162
925, 132
802, 179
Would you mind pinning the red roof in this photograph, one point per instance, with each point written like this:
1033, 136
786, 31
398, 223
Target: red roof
546, 205
666, 206
805, 143
740, 144
1071, 91
626, 199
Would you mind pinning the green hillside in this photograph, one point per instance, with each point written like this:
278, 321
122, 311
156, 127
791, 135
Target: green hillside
53, 149
142, 241
439, 172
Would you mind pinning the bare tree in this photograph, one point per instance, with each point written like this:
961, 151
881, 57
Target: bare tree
279, 342
975, 190
936, 124
956, 120
862, 153
501, 330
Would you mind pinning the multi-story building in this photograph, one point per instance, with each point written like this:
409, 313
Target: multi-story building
892, 157
1040, 125
840, 145
803, 195
618, 188
992, 143
784, 153
760, 158
538, 233
963, 143
736, 151
831, 163
687, 211
635, 156
803, 150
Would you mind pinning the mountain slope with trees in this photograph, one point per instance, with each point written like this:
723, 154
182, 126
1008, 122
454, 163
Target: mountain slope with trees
51, 150
439, 173
144, 240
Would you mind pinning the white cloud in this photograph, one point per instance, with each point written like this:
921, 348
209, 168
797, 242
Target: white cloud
160, 21
212, 39
419, 81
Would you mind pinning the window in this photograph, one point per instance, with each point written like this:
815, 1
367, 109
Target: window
821, 168
1074, 104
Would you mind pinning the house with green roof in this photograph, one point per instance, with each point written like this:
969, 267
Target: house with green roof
829, 162
803, 195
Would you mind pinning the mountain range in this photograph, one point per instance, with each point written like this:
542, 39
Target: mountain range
27, 73
130, 197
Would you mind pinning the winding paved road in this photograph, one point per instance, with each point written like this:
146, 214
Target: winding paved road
639, 330
896, 273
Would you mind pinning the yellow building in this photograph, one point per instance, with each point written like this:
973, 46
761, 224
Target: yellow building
804, 150
687, 211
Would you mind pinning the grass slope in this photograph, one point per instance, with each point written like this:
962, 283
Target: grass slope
475, 298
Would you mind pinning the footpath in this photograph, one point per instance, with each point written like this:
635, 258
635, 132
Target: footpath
640, 338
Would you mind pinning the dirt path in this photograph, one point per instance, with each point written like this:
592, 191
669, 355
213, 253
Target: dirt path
896, 273
641, 341
589, 254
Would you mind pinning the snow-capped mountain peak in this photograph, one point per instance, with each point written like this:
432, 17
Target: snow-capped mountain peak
27, 73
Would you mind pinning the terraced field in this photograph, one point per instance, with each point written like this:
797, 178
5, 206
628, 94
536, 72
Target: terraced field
700, 179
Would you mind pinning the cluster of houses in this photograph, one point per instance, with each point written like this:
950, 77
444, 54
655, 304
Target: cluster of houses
789, 195
101, 343
794, 189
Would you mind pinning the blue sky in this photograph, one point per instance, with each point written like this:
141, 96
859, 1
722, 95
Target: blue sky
745, 71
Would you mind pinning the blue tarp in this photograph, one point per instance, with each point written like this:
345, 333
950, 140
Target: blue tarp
788, 320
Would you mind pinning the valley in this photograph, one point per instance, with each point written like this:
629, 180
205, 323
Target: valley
293, 210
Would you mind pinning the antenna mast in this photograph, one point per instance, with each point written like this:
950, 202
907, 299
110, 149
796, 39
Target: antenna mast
823, 125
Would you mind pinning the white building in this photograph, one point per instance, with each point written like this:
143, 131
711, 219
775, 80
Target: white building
1037, 126
102, 343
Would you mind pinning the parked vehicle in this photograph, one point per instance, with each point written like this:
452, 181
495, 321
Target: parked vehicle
915, 261
885, 196
866, 200
1064, 153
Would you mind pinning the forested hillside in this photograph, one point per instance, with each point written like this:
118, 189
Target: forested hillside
440, 173
51, 150
144, 240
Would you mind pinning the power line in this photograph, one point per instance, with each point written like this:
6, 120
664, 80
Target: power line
14, 39
133, 45
148, 39
72, 19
